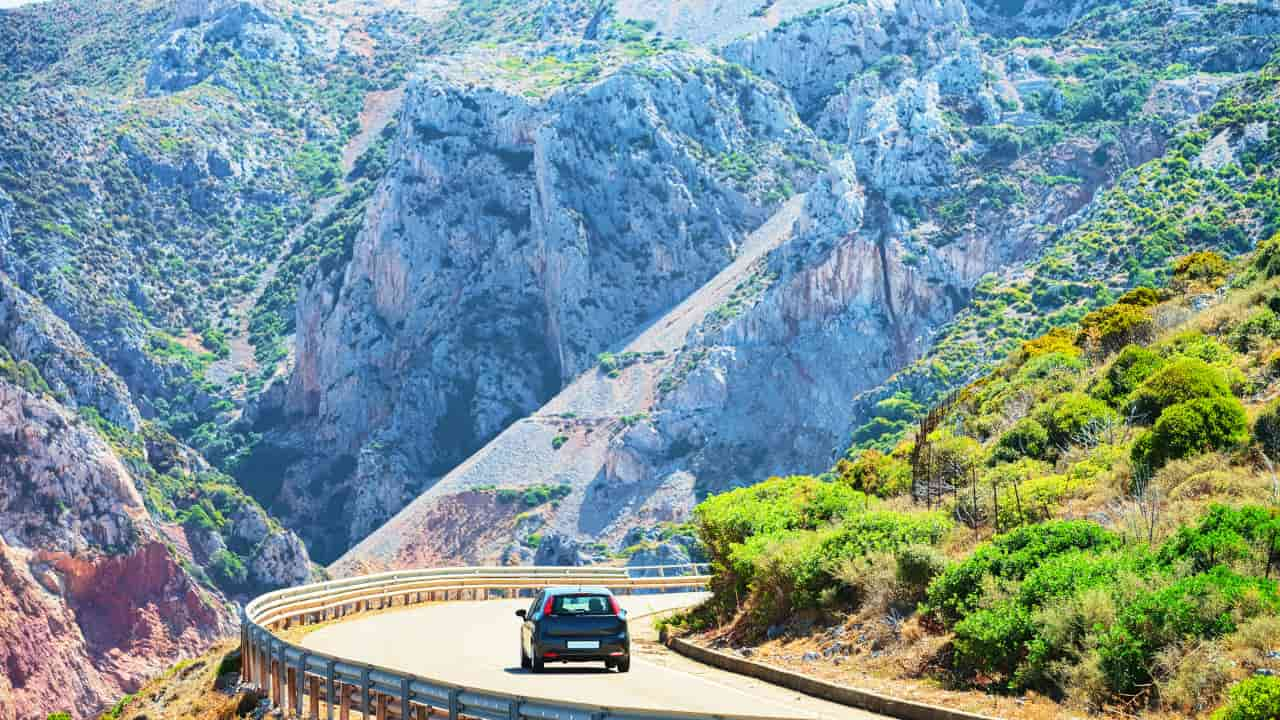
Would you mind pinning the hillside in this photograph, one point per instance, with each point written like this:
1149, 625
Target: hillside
1094, 523
959, 160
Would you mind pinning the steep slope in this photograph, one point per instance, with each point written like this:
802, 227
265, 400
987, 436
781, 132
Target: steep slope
951, 158
95, 598
584, 440
508, 246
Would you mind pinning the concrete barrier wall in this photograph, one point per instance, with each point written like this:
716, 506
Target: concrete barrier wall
844, 695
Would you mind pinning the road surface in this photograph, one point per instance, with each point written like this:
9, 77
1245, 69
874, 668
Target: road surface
476, 644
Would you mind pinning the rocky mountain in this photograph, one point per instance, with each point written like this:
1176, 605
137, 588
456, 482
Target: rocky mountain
952, 154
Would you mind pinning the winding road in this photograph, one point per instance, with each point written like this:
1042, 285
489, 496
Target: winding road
475, 644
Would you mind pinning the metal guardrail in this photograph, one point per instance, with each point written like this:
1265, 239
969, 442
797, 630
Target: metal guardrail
302, 681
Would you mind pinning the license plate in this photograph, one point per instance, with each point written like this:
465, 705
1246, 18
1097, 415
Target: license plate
583, 644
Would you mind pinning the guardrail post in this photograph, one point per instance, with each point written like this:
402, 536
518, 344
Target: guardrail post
366, 706
344, 710
455, 704
301, 685
329, 690
291, 691
313, 693
406, 712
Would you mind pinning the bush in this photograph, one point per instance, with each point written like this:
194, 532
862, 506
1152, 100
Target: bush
1192, 427
1226, 535
1197, 345
1207, 269
994, 640
793, 570
1057, 340
1266, 429
875, 473
1027, 438
1257, 698
1133, 365
1011, 556
227, 570
1181, 380
1076, 419
1259, 327
916, 567
1140, 296
1110, 328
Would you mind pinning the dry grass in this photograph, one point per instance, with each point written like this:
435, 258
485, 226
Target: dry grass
187, 692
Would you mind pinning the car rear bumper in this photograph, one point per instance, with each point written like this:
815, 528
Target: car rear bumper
557, 650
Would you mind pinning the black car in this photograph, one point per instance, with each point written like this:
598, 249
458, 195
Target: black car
574, 624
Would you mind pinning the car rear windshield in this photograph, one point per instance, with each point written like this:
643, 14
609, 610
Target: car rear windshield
582, 605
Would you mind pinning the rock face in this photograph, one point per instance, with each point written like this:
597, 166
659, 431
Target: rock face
512, 242
93, 602
205, 32
926, 186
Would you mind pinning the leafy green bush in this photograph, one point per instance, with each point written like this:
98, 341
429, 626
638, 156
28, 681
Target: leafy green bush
795, 569
1075, 418
1182, 379
1206, 268
1027, 438
876, 473
1226, 535
1010, 556
993, 640
1191, 427
227, 570
916, 567
1110, 328
1251, 334
1257, 698
1132, 365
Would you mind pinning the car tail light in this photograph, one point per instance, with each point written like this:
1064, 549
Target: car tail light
614, 602
549, 654
546, 609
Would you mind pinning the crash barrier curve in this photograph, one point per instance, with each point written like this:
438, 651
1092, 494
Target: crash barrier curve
303, 682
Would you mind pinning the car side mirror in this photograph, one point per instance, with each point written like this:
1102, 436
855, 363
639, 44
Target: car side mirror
521, 613
622, 614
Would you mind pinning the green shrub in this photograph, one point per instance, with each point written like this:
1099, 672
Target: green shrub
1027, 438
1192, 427
875, 473
1267, 259
1266, 429
1182, 379
792, 570
916, 566
1206, 268
227, 570
1226, 535
993, 640
1254, 331
1196, 344
1075, 419
1132, 365
1010, 556
1110, 328
1140, 296
1256, 698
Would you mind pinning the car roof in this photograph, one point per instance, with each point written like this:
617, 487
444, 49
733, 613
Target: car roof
578, 590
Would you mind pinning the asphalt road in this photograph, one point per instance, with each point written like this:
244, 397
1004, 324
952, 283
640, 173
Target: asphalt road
476, 644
